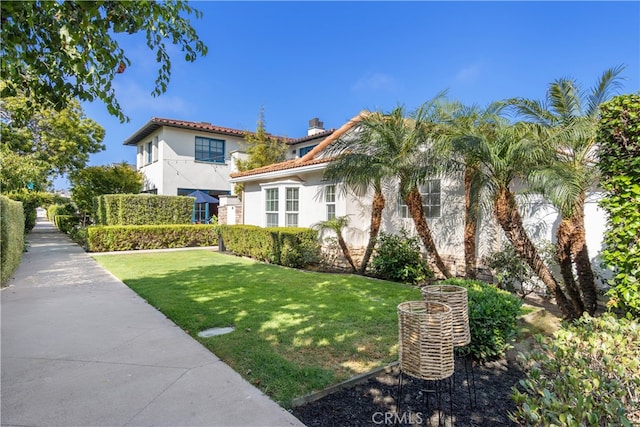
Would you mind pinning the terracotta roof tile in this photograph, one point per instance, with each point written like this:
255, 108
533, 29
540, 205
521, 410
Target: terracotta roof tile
287, 164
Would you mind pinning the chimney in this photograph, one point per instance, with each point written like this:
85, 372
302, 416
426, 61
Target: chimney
315, 126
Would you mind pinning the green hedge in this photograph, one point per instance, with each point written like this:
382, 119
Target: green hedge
290, 246
142, 209
11, 237
131, 237
587, 374
60, 209
65, 223
493, 318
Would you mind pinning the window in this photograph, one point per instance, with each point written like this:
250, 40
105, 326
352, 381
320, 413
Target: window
292, 205
271, 206
149, 152
209, 150
154, 157
305, 150
330, 200
430, 194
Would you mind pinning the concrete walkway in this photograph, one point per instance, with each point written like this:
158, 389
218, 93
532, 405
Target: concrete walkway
79, 348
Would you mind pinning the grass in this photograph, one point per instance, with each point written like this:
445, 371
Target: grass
296, 331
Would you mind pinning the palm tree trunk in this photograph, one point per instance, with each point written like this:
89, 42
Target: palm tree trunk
376, 220
345, 251
470, 223
414, 204
563, 254
507, 215
581, 258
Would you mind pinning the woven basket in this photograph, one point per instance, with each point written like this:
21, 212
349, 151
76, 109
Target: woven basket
456, 298
426, 344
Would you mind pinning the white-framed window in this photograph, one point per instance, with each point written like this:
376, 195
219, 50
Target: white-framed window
292, 206
154, 156
271, 207
430, 192
140, 157
330, 200
149, 152
209, 150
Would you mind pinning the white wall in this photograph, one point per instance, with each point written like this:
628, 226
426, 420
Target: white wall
176, 167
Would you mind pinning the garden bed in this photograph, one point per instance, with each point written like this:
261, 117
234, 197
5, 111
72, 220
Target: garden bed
373, 402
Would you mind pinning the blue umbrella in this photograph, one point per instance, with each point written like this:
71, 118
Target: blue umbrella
202, 197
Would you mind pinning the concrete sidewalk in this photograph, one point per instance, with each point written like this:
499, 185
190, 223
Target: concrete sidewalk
79, 348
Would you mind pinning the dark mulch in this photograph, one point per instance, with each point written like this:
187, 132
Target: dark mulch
373, 403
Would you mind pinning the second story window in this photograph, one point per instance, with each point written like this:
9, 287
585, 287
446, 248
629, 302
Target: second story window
209, 150
305, 150
149, 152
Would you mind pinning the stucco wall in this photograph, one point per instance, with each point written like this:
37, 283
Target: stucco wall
176, 166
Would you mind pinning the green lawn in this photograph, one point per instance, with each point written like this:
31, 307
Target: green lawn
296, 331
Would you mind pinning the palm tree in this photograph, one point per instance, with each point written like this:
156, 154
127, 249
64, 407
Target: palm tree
569, 117
504, 156
336, 225
464, 123
360, 166
410, 143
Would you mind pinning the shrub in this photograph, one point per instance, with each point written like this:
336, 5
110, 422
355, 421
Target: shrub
619, 164
587, 374
493, 318
11, 237
398, 259
131, 237
289, 246
60, 209
30, 201
66, 223
142, 209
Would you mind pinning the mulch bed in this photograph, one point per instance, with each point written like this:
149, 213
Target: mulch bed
373, 402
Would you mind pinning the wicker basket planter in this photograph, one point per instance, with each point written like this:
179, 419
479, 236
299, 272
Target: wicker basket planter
426, 342
456, 298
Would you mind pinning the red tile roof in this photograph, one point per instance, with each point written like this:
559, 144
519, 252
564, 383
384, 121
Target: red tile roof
157, 122
287, 164
309, 158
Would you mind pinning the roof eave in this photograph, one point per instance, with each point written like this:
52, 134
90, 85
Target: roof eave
279, 174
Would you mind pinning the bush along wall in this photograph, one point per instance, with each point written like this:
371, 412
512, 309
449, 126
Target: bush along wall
11, 237
493, 318
289, 246
142, 209
132, 237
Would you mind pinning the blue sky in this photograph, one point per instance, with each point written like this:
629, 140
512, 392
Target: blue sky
330, 60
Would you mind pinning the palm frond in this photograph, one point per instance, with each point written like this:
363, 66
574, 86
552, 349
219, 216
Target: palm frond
608, 83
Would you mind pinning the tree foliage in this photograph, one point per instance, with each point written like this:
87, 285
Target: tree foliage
22, 171
95, 181
57, 142
262, 148
55, 51
619, 163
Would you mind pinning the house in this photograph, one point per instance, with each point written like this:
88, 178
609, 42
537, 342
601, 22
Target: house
178, 157
294, 193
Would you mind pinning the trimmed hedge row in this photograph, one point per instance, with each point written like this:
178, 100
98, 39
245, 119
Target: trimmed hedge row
11, 237
131, 237
288, 246
142, 209
58, 209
